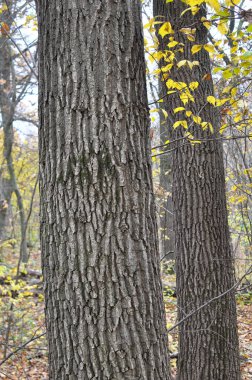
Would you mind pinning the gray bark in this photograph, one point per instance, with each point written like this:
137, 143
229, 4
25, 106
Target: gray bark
5, 196
104, 309
208, 341
166, 204
7, 109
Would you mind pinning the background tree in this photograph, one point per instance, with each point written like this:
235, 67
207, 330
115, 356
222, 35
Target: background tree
160, 135
18, 171
104, 309
208, 341
15, 82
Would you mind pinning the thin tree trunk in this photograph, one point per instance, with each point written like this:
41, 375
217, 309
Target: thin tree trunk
7, 109
104, 309
5, 196
208, 341
166, 205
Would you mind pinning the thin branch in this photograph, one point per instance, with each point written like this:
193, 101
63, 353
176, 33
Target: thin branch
21, 348
235, 286
190, 141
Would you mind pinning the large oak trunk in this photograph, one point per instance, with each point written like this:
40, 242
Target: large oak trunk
208, 342
104, 309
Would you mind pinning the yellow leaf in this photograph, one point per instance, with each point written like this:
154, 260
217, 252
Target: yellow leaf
181, 63
176, 124
170, 83
222, 128
209, 48
234, 91
222, 28
204, 125
237, 118
183, 123
193, 3
234, 49
210, 127
196, 48
167, 68
187, 30
190, 37
214, 4
206, 22
172, 44
226, 89
190, 64
227, 74
195, 10
189, 136
220, 102
180, 85
211, 100
178, 109
185, 97
194, 6
197, 119
151, 22
165, 29
165, 113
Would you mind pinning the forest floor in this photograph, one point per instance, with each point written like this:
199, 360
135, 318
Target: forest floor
22, 322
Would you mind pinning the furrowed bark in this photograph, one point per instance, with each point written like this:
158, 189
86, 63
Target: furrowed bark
208, 341
104, 309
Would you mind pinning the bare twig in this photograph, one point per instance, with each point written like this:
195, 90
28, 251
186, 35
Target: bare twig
21, 348
211, 300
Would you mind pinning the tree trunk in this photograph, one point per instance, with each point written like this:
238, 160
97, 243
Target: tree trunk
5, 196
104, 309
7, 109
208, 341
166, 205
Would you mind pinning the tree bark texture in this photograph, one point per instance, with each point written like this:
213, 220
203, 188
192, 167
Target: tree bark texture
104, 309
166, 204
8, 104
208, 341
